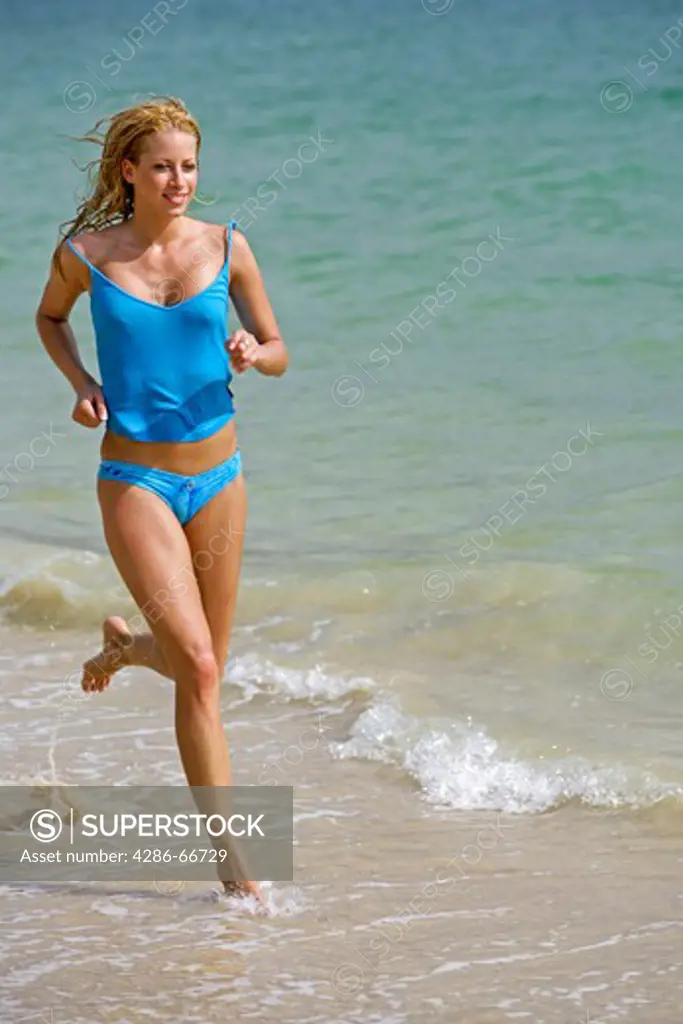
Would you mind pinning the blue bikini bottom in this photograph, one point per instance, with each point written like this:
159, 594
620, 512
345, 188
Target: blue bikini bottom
185, 495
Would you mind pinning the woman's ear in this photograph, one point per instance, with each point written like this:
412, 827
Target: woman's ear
127, 171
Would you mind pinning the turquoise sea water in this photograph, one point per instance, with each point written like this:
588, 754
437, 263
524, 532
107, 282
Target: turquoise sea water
424, 509
443, 130
371, 154
485, 171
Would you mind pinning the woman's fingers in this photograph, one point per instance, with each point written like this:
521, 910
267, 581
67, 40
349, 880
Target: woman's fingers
240, 363
241, 342
90, 408
85, 414
100, 408
244, 350
237, 341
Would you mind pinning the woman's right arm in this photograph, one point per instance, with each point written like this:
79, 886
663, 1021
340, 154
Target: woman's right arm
55, 332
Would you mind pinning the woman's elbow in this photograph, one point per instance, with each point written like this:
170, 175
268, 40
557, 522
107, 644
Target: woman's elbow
284, 362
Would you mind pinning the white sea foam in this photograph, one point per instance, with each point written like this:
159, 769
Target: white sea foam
466, 769
255, 675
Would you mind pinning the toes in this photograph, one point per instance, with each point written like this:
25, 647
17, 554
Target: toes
94, 684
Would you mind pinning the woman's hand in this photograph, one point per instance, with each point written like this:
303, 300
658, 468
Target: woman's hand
244, 350
90, 409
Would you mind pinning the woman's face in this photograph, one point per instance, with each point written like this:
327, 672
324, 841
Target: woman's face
165, 177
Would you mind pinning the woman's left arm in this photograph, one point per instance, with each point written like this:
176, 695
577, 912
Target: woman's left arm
258, 343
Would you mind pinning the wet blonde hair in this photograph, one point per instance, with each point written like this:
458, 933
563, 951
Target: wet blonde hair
111, 198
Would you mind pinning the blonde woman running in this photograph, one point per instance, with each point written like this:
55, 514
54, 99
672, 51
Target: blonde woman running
170, 483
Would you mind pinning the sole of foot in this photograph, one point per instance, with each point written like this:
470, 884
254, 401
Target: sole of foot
98, 671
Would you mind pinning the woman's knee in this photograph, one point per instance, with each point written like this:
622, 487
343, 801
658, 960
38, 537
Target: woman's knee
200, 676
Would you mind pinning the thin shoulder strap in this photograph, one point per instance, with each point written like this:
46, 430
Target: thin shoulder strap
79, 254
231, 224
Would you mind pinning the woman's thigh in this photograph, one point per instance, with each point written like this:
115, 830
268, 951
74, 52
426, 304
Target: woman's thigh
154, 559
215, 536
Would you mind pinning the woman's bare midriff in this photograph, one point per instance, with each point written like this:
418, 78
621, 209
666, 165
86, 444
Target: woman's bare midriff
187, 457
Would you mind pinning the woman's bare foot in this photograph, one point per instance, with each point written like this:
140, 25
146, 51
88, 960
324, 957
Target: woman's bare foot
116, 641
245, 889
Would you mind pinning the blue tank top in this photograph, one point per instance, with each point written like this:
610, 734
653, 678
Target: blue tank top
165, 371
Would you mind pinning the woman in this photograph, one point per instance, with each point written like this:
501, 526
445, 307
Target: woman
170, 486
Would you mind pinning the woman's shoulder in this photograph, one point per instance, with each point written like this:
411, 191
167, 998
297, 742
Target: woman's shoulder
74, 251
95, 244
204, 230
213, 237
